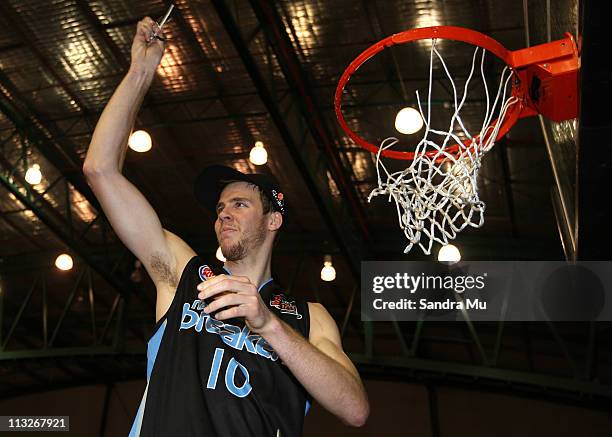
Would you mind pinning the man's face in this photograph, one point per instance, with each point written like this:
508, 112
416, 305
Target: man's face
240, 224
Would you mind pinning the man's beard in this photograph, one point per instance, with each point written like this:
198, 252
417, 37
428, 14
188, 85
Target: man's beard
239, 250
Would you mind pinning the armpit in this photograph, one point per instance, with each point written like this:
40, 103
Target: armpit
162, 270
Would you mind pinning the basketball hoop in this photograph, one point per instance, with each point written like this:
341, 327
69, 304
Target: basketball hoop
436, 196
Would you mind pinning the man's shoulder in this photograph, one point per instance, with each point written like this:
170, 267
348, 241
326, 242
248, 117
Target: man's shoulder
319, 312
322, 324
316, 307
320, 317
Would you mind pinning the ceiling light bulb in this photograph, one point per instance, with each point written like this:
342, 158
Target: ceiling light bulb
258, 154
140, 141
328, 272
408, 121
64, 262
219, 255
33, 176
449, 253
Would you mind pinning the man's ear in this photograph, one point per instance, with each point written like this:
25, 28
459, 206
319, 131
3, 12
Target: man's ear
275, 221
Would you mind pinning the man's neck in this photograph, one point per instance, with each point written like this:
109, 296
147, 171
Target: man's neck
255, 266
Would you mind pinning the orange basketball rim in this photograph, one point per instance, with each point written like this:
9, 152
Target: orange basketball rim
545, 79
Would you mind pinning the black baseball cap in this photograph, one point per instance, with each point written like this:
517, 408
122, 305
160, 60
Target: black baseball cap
210, 183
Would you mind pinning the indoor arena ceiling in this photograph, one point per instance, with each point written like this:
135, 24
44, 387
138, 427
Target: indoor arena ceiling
236, 72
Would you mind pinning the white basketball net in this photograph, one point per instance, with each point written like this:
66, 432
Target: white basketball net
437, 196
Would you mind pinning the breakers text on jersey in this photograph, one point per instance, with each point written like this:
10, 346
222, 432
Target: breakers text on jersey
234, 336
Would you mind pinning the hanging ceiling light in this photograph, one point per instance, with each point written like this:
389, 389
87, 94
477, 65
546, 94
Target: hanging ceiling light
64, 262
449, 253
258, 154
328, 272
408, 121
33, 176
140, 141
219, 255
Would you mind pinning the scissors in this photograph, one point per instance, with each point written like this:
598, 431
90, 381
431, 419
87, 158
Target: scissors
161, 24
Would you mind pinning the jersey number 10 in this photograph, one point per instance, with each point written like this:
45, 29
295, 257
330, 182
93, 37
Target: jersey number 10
230, 372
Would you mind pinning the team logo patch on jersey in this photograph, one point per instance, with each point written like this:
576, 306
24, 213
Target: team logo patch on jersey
285, 306
205, 272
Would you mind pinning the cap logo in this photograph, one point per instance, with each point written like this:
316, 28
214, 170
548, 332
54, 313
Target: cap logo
278, 197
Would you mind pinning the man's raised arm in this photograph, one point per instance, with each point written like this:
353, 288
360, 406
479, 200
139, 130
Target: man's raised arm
130, 214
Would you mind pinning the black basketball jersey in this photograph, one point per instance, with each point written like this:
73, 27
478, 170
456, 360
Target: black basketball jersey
207, 377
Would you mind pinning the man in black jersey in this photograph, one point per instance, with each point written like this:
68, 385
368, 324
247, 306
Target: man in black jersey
232, 353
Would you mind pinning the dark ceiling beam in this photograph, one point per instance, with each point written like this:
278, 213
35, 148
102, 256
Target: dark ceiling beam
211, 73
167, 123
388, 244
25, 342
150, 104
338, 224
153, 104
12, 46
65, 160
296, 39
62, 230
92, 19
127, 22
259, 114
355, 82
170, 123
174, 152
43, 135
297, 80
481, 8
51, 142
374, 21
40, 202
70, 165
29, 238
148, 101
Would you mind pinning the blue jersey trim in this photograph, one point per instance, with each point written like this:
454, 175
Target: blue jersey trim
152, 350
153, 347
137, 424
